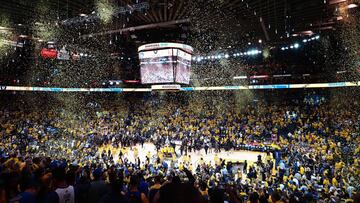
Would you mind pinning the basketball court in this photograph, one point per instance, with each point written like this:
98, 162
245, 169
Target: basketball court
149, 148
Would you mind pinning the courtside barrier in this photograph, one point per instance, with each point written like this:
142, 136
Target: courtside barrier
226, 88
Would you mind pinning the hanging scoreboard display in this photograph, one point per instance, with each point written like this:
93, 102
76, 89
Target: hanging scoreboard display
164, 63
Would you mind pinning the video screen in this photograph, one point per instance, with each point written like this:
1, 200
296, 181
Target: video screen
182, 73
156, 66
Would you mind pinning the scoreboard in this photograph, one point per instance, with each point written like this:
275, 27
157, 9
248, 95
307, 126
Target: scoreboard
164, 63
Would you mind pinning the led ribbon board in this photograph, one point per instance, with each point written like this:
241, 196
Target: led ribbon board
222, 88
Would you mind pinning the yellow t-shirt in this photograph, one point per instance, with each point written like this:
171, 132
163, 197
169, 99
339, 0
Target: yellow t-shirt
302, 170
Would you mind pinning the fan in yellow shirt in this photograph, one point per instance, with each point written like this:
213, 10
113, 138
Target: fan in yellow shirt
302, 170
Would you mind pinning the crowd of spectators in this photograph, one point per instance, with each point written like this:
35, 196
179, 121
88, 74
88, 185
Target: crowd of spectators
56, 156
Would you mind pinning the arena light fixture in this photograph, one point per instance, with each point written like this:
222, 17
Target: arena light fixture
350, 6
307, 32
240, 77
339, 18
331, 2
259, 76
296, 45
284, 75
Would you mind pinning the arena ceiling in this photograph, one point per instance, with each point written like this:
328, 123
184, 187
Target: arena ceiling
270, 20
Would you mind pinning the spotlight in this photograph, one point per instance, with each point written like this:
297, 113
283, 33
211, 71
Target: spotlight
305, 40
317, 37
226, 55
296, 45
